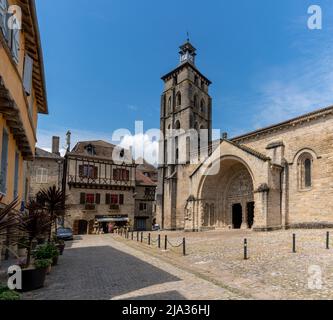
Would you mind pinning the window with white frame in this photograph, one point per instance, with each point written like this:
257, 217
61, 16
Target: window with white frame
42, 175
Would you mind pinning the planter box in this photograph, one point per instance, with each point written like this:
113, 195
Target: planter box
33, 279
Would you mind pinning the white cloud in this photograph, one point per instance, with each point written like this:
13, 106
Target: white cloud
141, 144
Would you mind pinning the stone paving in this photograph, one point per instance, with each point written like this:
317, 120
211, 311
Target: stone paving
272, 270
101, 268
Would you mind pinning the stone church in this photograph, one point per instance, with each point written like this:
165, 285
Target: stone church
273, 178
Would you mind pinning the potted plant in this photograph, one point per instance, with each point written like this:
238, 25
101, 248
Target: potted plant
61, 246
35, 223
44, 263
47, 251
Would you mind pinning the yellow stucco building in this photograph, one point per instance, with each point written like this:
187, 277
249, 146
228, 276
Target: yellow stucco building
22, 94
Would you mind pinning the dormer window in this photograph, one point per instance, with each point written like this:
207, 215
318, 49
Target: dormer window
90, 149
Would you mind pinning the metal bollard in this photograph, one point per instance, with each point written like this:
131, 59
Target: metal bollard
132, 235
294, 243
149, 239
184, 247
327, 240
141, 237
166, 243
245, 250
137, 236
159, 241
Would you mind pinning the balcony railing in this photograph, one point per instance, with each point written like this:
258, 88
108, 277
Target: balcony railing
77, 180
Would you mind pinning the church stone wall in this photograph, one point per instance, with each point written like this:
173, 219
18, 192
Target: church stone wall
314, 206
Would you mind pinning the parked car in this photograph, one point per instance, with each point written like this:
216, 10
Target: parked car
65, 234
156, 227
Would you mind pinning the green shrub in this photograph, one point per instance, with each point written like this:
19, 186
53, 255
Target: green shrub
46, 251
43, 263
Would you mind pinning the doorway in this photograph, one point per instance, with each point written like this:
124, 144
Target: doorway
82, 227
250, 214
237, 216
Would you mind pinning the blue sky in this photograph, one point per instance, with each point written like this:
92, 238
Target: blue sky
104, 59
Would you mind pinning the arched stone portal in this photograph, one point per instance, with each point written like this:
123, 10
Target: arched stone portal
228, 194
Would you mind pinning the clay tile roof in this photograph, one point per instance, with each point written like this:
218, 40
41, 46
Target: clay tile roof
40, 153
142, 180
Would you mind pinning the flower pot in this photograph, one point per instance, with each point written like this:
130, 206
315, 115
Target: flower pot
55, 261
61, 248
33, 279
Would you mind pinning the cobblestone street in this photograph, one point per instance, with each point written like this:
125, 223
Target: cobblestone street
272, 271
112, 267
101, 268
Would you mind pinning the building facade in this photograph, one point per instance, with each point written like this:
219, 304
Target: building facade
46, 170
145, 192
277, 177
22, 95
100, 189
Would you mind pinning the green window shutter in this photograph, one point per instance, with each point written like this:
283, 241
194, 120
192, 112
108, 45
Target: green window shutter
98, 198
82, 198
27, 77
121, 199
107, 198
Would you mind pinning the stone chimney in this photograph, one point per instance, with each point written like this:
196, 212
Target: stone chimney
55, 145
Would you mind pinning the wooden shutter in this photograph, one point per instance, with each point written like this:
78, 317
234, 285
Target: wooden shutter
16, 174
82, 198
27, 77
16, 44
3, 17
121, 199
95, 173
98, 198
107, 198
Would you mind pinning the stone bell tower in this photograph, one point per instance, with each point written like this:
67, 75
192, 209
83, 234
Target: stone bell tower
185, 105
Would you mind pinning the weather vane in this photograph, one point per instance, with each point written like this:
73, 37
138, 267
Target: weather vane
188, 36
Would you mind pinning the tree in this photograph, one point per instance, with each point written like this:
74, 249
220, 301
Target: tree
35, 222
53, 201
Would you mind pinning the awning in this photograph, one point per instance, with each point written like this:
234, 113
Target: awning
112, 220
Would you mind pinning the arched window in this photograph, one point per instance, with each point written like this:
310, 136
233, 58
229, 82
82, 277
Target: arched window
177, 125
179, 99
170, 105
308, 173
202, 106
305, 168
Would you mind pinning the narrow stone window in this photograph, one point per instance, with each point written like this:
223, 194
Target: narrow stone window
305, 169
179, 99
